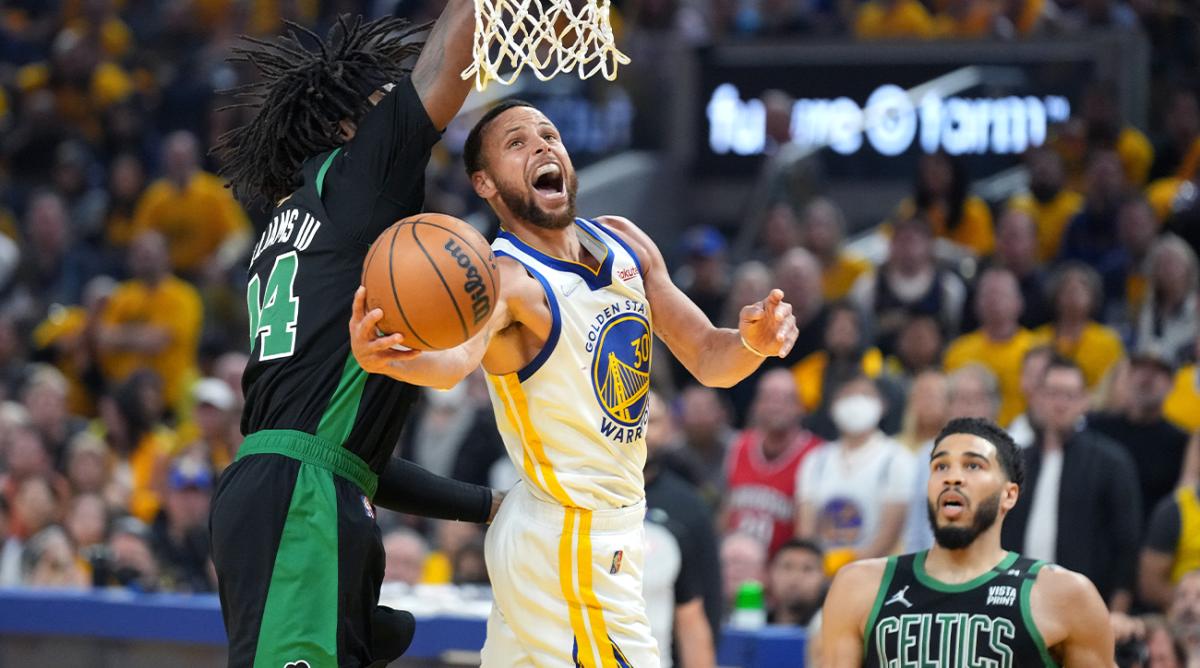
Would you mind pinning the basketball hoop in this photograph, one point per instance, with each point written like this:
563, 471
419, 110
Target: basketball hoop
548, 36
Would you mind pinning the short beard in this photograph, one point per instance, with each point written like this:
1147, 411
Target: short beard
957, 538
522, 206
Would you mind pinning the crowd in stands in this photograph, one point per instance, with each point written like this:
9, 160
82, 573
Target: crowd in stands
1069, 313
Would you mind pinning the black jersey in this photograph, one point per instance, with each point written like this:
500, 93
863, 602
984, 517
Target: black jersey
921, 622
304, 271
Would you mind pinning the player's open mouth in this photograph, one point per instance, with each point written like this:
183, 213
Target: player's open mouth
549, 182
952, 504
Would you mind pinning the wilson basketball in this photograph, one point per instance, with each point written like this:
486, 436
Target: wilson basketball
434, 277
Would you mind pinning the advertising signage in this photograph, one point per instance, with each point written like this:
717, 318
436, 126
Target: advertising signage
872, 117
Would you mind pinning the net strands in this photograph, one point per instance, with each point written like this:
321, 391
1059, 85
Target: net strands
548, 36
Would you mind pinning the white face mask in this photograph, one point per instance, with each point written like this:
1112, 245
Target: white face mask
856, 414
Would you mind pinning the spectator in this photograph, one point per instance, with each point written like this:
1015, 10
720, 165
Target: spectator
909, 284
1091, 237
1184, 614
180, 532
763, 466
129, 561
942, 200
751, 280
89, 465
67, 339
1033, 366
893, 19
743, 559
704, 420
45, 397
1178, 154
127, 180
918, 349
152, 321
10, 548
798, 274
1099, 127
131, 425
406, 552
823, 234
213, 433
1076, 294
87, 522
84, 201
1083, 507
1000, 342
1137, 230
469, 567
1170, 316
453, 436
796, 583
1049, 202
1016, 251
49, 561
1172, 546
1182, 406
449, 538
847, 352
974, 392
680, 503
705, 275
674, 599
25, 457
853, 492
54, 266
1155, 445
925, 411
37, 505
781, 232
200, 221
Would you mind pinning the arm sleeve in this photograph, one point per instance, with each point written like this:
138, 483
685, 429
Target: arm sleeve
379, 176
408, 488
1163, 533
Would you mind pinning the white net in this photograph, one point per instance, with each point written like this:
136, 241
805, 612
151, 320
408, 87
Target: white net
548, 36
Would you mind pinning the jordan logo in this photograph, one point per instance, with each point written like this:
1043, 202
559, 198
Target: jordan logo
898, 597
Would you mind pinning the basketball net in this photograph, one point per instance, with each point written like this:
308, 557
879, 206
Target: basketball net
548, 36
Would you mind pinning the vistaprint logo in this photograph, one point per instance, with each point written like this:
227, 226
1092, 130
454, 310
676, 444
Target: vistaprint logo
297, 664
1002, 595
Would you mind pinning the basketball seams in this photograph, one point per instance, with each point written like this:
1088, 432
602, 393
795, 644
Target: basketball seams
437, 270
470, 247
392, 281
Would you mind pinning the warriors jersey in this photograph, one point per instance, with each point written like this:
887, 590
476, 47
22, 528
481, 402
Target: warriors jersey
920, 621
574, 419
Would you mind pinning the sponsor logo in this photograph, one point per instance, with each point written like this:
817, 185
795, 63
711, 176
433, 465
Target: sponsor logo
481, 304
616, 562
627, 274
898, 597
1002, 595
367, 506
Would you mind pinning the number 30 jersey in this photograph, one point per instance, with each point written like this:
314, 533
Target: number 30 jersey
304, 270
574, 419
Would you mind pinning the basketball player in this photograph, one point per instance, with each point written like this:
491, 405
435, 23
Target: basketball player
567, 353
342, 152
966, 601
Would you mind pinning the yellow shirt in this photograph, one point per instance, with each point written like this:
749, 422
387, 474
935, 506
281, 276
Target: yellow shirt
1136, 153
1095, 351
1182, 406
1187, 551
195, 220
1161, 195
839, 277
149, 463
63, 329
1003, 358
1052, 218
810, 375
173, 304
906, 19
974, 230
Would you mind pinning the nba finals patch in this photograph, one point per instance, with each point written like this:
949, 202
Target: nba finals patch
367, 506
619, 341
616, 562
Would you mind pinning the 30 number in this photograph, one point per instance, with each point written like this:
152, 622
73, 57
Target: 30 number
275, 319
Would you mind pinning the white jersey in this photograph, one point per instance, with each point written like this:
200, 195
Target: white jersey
573, 420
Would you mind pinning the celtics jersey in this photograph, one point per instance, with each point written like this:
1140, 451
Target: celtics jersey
920, 622
304, 270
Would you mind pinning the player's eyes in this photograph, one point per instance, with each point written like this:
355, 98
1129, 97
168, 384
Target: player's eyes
550, 137
515, 143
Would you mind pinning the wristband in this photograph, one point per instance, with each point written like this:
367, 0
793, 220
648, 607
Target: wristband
749, 347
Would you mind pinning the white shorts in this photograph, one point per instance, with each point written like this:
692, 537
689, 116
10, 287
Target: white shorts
568, 587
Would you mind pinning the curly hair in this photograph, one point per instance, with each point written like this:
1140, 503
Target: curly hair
303, 95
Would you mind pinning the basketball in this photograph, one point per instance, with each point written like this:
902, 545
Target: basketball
434, 277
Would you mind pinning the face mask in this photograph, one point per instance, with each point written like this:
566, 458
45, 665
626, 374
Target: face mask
857, 414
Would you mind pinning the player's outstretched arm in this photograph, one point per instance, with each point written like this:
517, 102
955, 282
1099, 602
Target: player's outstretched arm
844, 615
717, 357
407, 488
1072, 619
447, 52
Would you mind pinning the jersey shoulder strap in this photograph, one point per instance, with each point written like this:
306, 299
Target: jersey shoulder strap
1028, 571
889, 573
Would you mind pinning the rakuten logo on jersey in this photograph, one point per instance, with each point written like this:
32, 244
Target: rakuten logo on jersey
890, 122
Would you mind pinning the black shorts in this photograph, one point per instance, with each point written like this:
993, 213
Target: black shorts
298, 554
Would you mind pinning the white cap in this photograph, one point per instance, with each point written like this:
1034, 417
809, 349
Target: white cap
215, 392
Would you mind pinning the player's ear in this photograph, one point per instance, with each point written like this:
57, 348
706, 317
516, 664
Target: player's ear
483, 184
1009, 495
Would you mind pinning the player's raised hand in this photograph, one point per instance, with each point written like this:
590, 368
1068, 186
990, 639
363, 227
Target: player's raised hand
374, 353
768, 327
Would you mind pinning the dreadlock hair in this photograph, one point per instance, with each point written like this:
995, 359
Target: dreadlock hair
303, 95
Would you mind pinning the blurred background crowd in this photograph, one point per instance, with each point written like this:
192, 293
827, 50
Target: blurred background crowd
1067, 309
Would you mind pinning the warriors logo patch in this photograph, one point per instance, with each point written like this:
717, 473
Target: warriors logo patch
621, 372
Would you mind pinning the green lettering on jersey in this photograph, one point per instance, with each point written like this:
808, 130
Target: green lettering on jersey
275, 319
